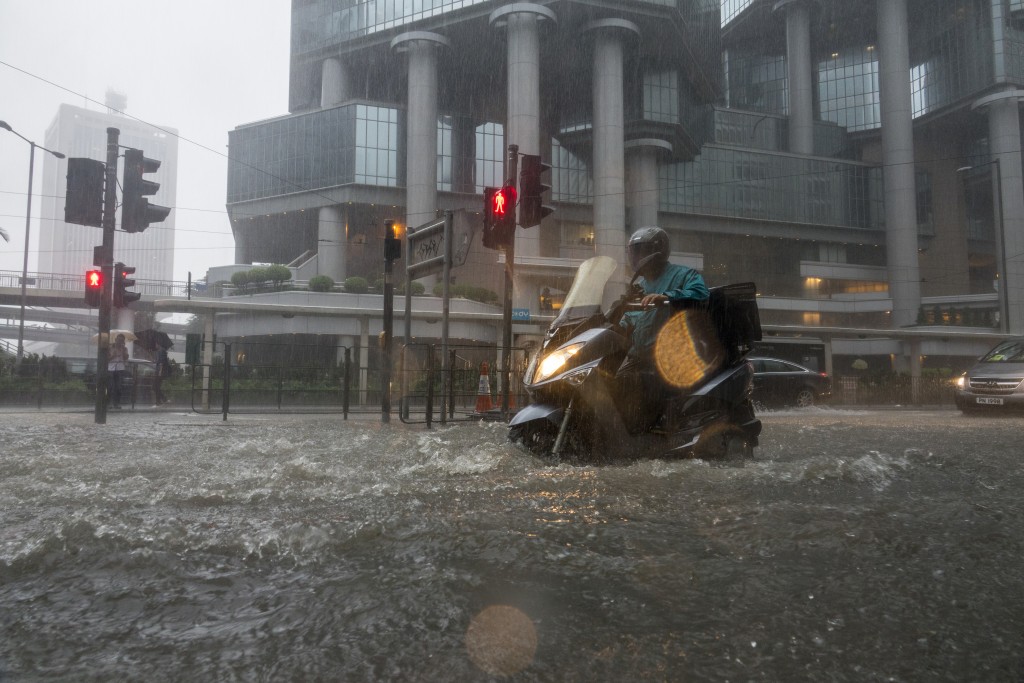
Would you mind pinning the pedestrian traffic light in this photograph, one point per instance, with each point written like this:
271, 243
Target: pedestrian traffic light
136, 211
93, 287
499, 216
83, 200
122, 297
531, 207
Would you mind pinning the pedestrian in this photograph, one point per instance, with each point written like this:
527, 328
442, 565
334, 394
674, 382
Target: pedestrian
163, 369
642, 390
117, 363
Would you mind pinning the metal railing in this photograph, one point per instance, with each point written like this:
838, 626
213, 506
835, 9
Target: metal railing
294, 378
470, 386
76, 283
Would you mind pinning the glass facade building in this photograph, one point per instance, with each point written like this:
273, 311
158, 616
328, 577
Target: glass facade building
708, 82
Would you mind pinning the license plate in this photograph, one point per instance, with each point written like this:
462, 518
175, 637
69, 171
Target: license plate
989, 401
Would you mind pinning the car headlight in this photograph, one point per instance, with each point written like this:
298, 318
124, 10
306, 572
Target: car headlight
555, 361
960, 381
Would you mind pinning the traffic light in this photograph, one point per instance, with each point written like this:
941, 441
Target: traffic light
136, 211
531, 207
499, 216
122, 297
83, 200
392, 242
93, 287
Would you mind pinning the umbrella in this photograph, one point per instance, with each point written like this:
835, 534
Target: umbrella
150, 339
128, 335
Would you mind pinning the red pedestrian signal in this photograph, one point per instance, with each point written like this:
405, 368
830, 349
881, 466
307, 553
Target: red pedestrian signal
93, 287
499, 216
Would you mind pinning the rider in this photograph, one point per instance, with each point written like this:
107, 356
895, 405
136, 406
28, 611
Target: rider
642, 390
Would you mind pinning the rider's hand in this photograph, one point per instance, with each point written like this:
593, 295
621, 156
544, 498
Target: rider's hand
652, 300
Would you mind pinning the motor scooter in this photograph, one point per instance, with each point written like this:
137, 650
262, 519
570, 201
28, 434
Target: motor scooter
577, 411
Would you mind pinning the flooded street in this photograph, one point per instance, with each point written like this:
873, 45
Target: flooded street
856, 546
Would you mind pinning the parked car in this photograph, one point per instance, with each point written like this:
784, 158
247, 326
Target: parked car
781, 382
996, 382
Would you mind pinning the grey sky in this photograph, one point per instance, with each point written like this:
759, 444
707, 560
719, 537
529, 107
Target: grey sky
201, 66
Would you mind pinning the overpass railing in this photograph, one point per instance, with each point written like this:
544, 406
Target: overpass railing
62, 282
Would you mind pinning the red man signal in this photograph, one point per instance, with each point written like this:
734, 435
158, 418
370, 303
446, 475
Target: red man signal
93, 287
499, 216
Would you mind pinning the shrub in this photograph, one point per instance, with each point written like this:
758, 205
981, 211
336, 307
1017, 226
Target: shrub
321, 283
278, 274
417, 288
471, 292
357, 285
240, 279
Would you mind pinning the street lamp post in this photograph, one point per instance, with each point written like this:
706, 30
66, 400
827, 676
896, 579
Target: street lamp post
28, 229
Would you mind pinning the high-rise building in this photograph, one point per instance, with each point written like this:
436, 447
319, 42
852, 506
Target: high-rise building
860, 161
66, 248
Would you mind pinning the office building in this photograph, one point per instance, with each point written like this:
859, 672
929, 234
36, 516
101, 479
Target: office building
66, 248
860, 161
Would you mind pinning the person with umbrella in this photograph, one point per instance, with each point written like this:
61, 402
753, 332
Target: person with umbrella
163, 369
117, 363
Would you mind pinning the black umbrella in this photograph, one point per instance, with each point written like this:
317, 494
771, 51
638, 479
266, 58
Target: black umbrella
150, 339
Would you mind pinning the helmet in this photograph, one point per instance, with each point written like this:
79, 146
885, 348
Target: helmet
648, 249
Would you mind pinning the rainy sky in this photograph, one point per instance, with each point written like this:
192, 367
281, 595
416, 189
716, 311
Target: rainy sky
200, 66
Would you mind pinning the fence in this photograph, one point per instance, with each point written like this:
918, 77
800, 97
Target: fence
472, 388
255, 377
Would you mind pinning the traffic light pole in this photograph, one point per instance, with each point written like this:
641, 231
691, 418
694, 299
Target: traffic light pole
506, 317
388, 325
106, 264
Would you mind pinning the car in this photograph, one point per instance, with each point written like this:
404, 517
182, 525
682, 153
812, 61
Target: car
995, 382
782, 382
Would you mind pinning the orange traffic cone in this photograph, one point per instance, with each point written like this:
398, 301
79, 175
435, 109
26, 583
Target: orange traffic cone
483, 392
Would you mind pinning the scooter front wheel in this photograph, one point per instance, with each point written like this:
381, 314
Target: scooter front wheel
538, 437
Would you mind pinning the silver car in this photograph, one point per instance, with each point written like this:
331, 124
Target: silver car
996, 382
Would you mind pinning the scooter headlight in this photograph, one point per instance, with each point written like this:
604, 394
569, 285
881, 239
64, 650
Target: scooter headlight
555, 361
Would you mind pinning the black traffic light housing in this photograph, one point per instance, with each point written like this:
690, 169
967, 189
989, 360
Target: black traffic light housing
122, 297
136, 211
94, 287
83, 200
531, 204
392, 242
499, 216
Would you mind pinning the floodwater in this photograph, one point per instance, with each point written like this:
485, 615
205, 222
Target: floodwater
872, 546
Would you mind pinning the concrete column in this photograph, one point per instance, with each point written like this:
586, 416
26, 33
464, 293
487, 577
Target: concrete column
335, 83
241, 242
463, 154
421, 127
364, 358
1005, 145
207, 358
522, 23
898, 159
798, 72
331, 243
642, 180
609, 136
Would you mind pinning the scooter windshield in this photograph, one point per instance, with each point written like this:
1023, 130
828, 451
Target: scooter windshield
587, 291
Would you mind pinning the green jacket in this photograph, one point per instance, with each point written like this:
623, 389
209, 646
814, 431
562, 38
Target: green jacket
677, 283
